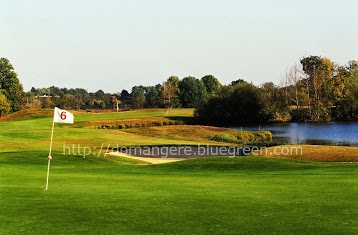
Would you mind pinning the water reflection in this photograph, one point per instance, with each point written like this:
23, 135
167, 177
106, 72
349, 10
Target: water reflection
330, 133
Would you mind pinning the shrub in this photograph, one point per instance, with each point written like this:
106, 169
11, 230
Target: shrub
265, 136
245, 137
227, 138
158, 123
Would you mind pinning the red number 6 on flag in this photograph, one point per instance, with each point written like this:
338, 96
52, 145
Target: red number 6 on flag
63, 116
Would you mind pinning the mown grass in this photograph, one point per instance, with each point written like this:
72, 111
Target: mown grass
34, 133
242, 195
143, 113
83, 116
98, 195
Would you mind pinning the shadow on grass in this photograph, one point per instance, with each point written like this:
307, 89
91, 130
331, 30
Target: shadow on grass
206, 165
185, 120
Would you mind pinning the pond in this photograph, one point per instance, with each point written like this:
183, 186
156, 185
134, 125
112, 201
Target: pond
327, 133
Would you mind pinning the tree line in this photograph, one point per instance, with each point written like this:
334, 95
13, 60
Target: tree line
314, 89
188, 92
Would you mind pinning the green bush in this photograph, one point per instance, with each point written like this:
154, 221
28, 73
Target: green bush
251, 137
245, 137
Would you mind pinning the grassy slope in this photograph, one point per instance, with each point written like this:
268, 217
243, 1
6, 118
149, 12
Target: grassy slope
81, 117
187, 132
34, 134
114, 196
313, 153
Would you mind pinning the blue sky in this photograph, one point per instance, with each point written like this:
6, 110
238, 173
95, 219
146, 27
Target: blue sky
113, 45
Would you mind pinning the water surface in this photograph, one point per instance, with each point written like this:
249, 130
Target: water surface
332, 133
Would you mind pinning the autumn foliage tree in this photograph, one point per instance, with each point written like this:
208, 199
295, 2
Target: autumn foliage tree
171, 92
10, 86
4, 105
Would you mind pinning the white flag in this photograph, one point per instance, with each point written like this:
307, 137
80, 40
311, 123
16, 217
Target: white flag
63, 116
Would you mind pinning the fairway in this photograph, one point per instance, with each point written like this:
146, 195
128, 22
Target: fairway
112, 195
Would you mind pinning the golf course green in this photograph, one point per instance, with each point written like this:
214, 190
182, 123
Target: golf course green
98, 194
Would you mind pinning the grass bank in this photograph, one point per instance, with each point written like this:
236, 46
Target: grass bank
315, 153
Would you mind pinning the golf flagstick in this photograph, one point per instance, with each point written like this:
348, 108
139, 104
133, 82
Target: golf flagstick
49, 155
61, 116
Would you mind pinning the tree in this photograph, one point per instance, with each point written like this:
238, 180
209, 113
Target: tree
64, 90
125, 98
347, 106
153, 96
33, 90
334, 87
170, 92
100, 95
211, 84
138, 97
246, 104
273, 103
102, 105
234, 83
294, 93
4, 105
47, 103
319, 71
115, 102
81, 96
11, 86
67, 101
235, 105
55, 91
192, 92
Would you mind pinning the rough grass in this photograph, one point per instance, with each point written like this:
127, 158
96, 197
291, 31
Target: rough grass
204, 134
245, 137
27, 114
128, 123
207, 134
313, 153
